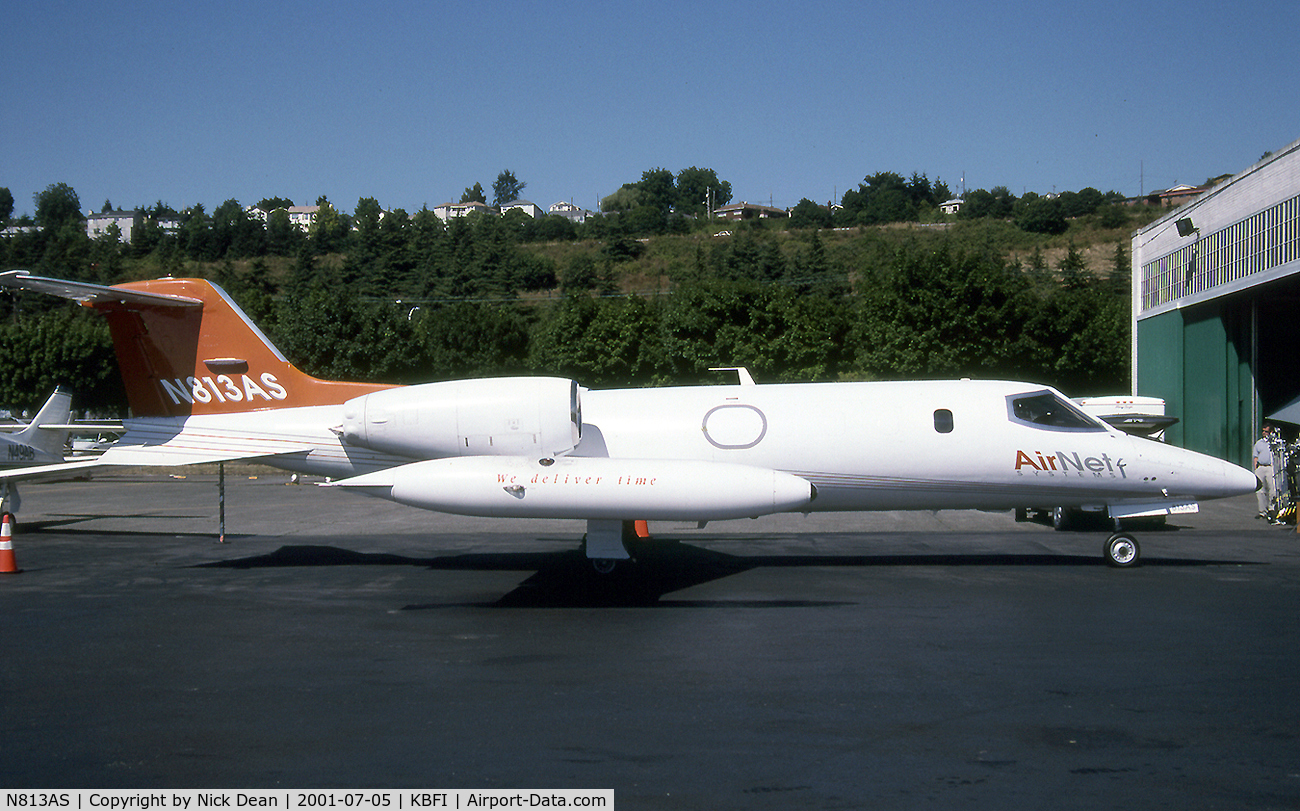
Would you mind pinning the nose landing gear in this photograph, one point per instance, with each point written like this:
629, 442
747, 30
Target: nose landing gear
1122, 550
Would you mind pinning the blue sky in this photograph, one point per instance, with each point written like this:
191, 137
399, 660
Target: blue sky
410, 103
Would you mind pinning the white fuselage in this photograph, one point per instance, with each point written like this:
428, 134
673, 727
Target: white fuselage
863, 446
876, 446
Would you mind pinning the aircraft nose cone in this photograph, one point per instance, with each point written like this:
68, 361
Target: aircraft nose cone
1222, 479
1240, 480
1198, 475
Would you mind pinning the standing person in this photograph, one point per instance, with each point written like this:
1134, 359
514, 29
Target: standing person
1263, 458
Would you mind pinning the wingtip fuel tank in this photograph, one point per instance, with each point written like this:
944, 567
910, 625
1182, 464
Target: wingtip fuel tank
589, 488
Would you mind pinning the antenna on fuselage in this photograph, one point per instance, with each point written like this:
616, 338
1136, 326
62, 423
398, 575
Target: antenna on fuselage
741, 372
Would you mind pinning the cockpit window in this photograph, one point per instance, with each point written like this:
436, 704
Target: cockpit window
1046, 410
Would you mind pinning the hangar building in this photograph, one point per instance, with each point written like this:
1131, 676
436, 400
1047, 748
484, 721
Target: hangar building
1216, 307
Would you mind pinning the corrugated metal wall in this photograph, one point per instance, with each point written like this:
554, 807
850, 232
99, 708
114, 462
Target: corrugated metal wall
1199, 360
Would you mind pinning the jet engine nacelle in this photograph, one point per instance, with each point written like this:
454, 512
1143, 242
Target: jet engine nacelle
506, 416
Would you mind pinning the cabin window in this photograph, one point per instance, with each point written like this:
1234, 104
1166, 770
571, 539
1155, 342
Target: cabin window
1045, 409
943, 420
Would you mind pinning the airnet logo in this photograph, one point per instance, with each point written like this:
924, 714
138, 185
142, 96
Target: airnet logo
1062, 462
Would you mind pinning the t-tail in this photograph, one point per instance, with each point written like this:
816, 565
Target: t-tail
185, 348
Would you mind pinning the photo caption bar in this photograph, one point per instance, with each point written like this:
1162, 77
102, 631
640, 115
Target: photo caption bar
376, 800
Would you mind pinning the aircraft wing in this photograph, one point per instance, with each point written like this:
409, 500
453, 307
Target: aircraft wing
46, 471
149, 443
1149, 509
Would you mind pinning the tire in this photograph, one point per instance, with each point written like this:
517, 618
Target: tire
1122, 551
1062, 519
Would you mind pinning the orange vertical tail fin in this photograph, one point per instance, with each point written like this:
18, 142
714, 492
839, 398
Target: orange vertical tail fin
184, 347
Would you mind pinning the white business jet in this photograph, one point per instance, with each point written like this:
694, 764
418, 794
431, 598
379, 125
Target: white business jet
205, 385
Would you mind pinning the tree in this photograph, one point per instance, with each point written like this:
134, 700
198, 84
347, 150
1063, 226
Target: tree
1081, 203
770, 329
57, 206
658, 189
695, 186
106, 255
1041, 215
235, 234
328, 229
474, 194
6, 205
1113, 215
1074, 270
366, 219
283, 238
920, 193
1081, 335
328, 333
506, 189
469, 339
427, 245
996, 203
269, 204
942, 313
603, 342
939, 192
626, 198
1121, 271
580, 274
807, 214
53, 348
882, 198
196, 234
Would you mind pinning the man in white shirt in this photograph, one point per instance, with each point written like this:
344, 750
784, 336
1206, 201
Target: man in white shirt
1263, 457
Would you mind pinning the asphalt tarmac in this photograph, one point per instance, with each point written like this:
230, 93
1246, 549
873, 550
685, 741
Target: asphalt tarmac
883, 661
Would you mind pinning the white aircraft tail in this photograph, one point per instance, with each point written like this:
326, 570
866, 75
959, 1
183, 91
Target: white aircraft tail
57, 411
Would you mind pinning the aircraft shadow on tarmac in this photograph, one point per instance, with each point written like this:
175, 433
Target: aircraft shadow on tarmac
67, 520
568, 580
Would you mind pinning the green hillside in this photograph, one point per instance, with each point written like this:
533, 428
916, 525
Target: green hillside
627, 299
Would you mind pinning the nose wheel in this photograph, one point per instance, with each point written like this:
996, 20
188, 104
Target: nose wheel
1122, 550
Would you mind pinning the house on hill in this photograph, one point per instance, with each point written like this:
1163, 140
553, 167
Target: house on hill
301, 216
571, 212
97, 224
531, 209
1177, 196
449, 211
749, 211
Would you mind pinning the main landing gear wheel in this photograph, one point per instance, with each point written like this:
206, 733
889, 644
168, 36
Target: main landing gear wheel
1122, 550
1061, 519
603, 565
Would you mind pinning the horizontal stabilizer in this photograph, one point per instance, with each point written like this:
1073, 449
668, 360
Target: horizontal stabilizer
87, 293
84, 427
47, 471
166, 443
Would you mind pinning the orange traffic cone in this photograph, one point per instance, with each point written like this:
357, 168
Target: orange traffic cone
7, 563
